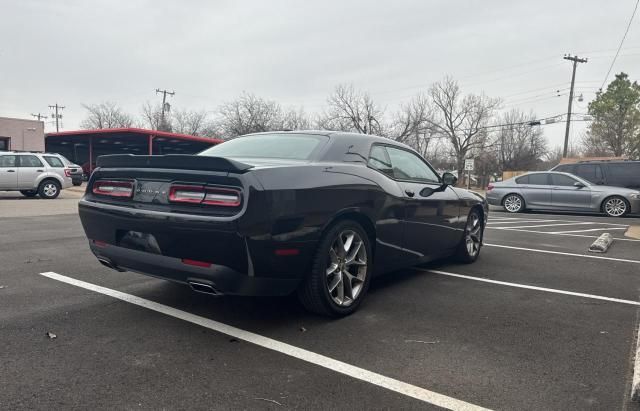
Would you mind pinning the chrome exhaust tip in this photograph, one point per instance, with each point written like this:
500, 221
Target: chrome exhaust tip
203, 288
107, 263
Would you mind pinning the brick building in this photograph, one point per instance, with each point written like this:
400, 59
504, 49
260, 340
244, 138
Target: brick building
21, 134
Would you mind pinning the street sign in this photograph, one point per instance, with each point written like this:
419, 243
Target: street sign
468, 164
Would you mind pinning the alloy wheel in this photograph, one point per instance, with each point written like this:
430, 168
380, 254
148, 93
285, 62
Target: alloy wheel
615, 207
50, 189
347, 268
473, 234
513, 203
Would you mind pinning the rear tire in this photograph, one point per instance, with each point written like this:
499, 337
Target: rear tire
29, 193
49, 189
513, 203
469, 248
341, 271
615, 206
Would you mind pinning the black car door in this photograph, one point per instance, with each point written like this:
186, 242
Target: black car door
431, 217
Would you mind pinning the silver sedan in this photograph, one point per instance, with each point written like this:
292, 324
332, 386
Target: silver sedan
561, 191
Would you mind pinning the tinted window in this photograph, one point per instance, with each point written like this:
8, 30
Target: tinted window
562, 180
283, 146
408, 166
7, 161
625, 171
379, 159
589, 172
522, 180
538, 179
53, 161
29, 161
566, 168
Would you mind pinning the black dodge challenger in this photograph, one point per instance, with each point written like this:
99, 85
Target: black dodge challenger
317, 213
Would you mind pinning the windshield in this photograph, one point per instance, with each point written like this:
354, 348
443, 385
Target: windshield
277, 146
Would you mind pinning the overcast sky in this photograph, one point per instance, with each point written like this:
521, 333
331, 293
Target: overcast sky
75, 51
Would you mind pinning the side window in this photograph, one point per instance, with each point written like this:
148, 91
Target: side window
379, 160
624, 171
561, 180
522, 180
567, 168
54, 161
589, 172
408, 166
7, 161
29, 161
539, 179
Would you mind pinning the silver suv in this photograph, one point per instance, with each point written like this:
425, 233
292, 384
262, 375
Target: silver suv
43, 174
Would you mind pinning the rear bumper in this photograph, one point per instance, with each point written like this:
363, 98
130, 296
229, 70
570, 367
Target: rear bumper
239, 263
222, 279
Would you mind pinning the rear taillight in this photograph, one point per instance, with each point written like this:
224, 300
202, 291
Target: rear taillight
113, 188
490, 187
218, 196
67, 172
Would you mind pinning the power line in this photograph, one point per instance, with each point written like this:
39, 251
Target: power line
620, 46
56, 115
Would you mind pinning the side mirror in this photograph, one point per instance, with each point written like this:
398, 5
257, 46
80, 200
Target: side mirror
578, 184
449, 179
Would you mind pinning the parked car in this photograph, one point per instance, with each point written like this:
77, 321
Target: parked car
562, 191
75, 171
317, 213
609, 173
32, 174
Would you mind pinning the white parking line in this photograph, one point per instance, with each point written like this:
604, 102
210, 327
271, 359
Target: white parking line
589, 229
536, 250
541, 225
556, 233
519, 221
380, 380
533, 287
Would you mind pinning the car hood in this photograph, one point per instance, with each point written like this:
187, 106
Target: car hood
613, 190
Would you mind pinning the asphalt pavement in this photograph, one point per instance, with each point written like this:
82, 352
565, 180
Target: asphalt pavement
536, 323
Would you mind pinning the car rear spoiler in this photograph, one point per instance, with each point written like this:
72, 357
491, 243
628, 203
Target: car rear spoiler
172, 161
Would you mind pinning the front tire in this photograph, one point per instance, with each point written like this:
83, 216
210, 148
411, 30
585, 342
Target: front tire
513, 203
615, 206
341, 271
469, 248
49, 189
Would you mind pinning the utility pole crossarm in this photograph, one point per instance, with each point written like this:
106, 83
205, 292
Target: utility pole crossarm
164, 102
575, 60
56, 115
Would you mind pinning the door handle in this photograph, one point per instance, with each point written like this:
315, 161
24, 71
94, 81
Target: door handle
410, 193
11, 171
40, 171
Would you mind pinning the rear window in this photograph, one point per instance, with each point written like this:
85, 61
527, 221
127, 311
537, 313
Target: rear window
589, 172
625, 171
54, 161
564, 168
538, 179
7, 161
278, 146
522, 180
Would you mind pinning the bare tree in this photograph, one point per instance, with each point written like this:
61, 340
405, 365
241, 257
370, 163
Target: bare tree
195, 123
520, 146
595, 146
152, 116
296, 120
461, 119
352, 110
249, 114
411, 124
105, 115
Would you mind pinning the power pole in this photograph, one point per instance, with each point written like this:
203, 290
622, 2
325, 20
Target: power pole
575, 60
56, 115
38, 116
164, 103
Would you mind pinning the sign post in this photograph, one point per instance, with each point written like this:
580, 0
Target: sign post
468, 167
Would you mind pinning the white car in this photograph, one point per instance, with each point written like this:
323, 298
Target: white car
31, 173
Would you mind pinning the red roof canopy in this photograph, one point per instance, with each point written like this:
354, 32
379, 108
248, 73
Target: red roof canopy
133, 130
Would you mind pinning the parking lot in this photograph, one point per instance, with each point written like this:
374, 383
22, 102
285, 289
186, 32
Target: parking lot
537, 322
